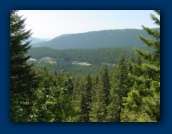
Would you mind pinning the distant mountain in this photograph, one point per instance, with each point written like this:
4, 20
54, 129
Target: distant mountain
34, 40
97, 39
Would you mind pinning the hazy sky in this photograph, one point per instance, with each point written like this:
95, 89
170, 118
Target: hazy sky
52, 23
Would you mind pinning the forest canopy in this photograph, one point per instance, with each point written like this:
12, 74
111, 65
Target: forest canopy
118, 84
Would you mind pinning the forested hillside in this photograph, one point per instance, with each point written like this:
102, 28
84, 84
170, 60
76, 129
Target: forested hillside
78, 61
97, 39
114, 85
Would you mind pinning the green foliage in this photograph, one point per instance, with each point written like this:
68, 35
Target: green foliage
143, 101
117, 87
22, 77
86, 99
98, 112
120, 87
64, 59
53, 99
101, 96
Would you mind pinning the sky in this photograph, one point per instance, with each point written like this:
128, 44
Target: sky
52, 23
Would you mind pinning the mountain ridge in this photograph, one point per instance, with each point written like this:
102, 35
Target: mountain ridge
96, 39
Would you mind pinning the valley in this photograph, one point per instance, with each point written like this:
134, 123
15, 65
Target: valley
85, 53
77, 61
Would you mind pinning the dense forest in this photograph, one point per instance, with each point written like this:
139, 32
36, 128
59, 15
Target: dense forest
126, 88
77, 61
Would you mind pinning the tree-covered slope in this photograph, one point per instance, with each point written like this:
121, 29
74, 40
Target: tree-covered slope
97, 39
77, 61
93, 56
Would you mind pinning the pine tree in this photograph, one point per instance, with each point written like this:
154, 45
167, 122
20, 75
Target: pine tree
22, 78
86, 100
143, 101
101, 97
77, 95
119, 89
98, 108
106, 84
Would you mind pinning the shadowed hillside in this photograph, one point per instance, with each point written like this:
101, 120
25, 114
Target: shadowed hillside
97, 39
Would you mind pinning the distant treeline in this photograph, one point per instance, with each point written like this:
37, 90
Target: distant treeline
96, 57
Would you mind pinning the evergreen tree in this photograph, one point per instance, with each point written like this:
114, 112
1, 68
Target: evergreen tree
86, 100
101, 97
119, 89
77, 95
143, 101
105, 81
98, 109
22, 78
